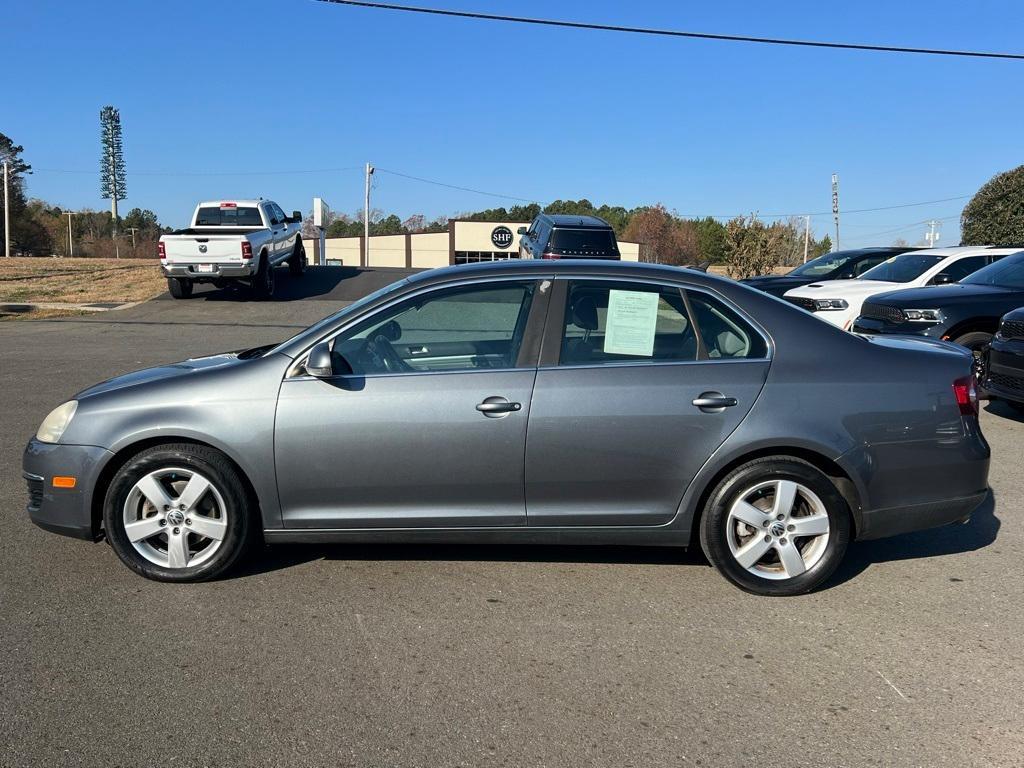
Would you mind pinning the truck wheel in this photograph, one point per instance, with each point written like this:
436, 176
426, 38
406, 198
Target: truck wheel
297, 263
263, 283
179, 287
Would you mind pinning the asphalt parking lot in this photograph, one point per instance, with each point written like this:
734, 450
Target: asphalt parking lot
468, 656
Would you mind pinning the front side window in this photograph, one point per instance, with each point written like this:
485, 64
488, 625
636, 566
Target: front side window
608, 322
454, 329
961, 268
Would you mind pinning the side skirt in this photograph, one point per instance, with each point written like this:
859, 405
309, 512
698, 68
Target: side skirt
606, 536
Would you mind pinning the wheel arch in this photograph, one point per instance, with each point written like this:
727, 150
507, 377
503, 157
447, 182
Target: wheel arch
839, 476
981, 324
124, 454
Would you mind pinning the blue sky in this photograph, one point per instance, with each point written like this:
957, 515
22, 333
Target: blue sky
255, 91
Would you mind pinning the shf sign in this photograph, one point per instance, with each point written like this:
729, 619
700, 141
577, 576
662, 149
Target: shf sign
501, 237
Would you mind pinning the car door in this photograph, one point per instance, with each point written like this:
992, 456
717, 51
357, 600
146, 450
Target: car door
274, 242
288, 233
424, 424
632, 397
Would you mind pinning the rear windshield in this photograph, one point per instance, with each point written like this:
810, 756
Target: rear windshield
1006, 273
902, 268
578, 241
229, 217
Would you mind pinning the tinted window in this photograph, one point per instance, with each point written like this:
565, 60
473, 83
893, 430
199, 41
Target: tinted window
823, 265
964, 267
725, 334
1007, 273
903, 268
579, 242
609, 322
456, 329
228, 217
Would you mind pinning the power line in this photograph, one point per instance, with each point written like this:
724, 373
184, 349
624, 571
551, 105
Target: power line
454, 186
677, 33
211, 173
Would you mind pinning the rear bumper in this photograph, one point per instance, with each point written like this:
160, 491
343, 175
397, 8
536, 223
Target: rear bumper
879, 523
67, 511
190, 271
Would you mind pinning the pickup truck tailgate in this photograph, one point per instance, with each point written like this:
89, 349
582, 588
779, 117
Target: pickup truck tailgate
202, 249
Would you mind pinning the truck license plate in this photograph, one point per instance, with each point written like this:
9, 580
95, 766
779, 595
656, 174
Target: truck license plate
205, 268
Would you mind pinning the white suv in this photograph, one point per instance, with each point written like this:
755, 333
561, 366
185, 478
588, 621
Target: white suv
839, 301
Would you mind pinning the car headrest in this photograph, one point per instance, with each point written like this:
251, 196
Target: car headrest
584, 313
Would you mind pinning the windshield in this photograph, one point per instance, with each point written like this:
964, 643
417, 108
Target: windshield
1006, 273
352, 308
902, 268
823, 265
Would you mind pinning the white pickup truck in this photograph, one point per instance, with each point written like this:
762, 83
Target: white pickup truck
233, 240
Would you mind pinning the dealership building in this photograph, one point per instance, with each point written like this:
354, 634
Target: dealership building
465, 242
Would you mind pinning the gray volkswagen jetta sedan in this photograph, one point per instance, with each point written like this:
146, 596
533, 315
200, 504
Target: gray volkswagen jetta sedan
543, 402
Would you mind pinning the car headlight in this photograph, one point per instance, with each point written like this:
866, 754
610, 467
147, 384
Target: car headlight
56, 422
824, 305
922, 315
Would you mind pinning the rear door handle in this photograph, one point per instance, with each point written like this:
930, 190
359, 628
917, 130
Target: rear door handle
496, 407
713, 402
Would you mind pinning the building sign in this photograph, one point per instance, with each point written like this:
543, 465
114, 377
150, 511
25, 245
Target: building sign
501, 237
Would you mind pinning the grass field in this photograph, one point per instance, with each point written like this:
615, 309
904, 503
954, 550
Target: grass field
78, 281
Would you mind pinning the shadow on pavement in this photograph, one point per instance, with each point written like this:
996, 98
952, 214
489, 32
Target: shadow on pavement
1005, 410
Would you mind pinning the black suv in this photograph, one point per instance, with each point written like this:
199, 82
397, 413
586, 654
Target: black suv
967, 312
838, 265
552, 236
1003, 362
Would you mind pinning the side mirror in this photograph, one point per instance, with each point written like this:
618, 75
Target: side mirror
845, 276
942, 279
521, 231
319, 361
297, 216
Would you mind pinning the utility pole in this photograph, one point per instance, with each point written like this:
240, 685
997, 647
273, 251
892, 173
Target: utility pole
835, 208
71, 242
931, 235
7, 218
366, 214
133, 231
807, 235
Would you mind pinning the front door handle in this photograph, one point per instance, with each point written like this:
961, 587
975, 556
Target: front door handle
713, 402
495, 407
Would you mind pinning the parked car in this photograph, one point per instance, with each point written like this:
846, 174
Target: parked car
233, 240
966, 313
556, 236
1003, 361
839, 301
838, 265
569, 402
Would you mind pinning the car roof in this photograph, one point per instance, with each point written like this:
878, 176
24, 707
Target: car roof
567, 220
535, 268
207, 203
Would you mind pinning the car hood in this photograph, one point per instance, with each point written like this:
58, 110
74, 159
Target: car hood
942, 295
170, 371
776, 284
843, 289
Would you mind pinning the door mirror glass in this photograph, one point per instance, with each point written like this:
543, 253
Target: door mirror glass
942, 279
296, 216
521, 231
319, 362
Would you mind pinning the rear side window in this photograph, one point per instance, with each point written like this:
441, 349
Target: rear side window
580, 242
229, 217
724, 333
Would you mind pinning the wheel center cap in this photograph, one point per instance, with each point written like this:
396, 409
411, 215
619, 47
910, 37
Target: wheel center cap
175, 517
777, 529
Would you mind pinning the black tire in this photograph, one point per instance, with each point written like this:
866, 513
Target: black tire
976, 341
297, 262
214, 466
179, 287
715, 524
263, 283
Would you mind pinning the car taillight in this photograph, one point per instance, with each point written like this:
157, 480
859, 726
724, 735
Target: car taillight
161, 250
246, 249
550, 255
966, 393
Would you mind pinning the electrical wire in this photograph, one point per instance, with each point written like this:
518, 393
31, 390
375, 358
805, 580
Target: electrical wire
677, 33
211, 173
454, 186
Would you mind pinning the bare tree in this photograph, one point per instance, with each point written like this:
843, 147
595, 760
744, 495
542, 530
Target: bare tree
663, 237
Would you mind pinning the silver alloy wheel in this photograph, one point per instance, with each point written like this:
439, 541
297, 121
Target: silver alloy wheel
778, 529
175, 517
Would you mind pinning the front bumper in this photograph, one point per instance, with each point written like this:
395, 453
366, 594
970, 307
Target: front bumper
872, 325
1003, 369
67, 511
190, 271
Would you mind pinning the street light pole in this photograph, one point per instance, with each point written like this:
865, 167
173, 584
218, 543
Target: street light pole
807, 235
366, 215
7, 218
71, 241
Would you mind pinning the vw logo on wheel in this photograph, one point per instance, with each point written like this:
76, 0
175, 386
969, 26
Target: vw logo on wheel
501, 237
778, 529
175, 517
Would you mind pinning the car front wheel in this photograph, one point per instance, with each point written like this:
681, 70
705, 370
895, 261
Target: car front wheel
776, 526
177, 513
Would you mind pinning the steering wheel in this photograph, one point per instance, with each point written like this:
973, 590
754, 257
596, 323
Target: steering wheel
384, 355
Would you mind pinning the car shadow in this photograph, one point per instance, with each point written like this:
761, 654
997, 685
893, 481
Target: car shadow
319, 282
977, 533
1005, 410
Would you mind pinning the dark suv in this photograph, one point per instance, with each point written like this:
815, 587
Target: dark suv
838, 265
1003, 361
554, 236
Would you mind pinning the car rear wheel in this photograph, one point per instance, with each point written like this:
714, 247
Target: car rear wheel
263, 284
179, 287
776, 526
177, 513
297, 263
